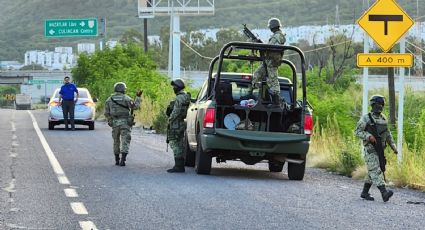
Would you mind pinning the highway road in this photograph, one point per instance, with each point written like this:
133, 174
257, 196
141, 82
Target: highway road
57, 179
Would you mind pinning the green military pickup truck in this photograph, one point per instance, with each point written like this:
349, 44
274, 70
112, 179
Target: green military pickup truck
229, 120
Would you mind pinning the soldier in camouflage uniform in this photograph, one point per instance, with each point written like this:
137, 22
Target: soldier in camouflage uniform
272, 62
176, 113
118, 113
375, 174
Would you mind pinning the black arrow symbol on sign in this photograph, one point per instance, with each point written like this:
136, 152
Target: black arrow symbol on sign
385, 19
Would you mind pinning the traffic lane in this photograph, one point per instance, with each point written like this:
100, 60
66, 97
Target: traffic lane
36, 199
143, 195
6, 162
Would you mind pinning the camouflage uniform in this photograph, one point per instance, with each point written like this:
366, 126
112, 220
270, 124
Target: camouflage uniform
177, 124
375, 175
120, 119
272, 62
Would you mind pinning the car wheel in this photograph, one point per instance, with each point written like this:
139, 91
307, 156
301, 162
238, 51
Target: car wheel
296, 171
203, 160
51, 126
190, 155
91, 126
276, 166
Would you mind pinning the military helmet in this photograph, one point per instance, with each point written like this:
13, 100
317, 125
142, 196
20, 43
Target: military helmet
120, 87
274, 23
179, 83
377, 99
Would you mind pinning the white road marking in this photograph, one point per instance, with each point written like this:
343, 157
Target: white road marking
70, 192
52, 158
87, 225
79, 208
11, 187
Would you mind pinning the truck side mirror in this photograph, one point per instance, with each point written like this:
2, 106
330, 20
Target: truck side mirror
94, 99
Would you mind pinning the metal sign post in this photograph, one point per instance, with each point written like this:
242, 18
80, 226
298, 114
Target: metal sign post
401, 106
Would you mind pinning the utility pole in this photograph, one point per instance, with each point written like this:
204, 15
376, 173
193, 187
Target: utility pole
145, 33
418, 41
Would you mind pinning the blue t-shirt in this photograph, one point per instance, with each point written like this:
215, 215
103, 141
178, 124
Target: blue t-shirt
67, 91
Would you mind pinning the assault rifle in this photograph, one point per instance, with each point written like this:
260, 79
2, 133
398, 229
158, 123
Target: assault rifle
372, 129
250, 35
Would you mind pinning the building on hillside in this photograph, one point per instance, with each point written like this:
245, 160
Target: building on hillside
111, 44
10, 65
62, 58
66, 50
89, 48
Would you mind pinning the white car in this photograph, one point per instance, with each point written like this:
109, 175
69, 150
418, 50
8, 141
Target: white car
84, 114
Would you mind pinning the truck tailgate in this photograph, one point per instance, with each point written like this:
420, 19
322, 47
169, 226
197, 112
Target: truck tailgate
261, 136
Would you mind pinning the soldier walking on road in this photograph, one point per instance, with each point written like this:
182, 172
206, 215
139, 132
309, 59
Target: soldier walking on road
272, 62
372, 128
119, 114
176, 113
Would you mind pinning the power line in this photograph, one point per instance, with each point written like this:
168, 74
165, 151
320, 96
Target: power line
419, 48
414, 54
196, 52
308, 51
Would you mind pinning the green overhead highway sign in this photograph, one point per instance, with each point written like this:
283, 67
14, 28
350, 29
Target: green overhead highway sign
54, 28
35, 82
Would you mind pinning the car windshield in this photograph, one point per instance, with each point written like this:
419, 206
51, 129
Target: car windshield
82, 94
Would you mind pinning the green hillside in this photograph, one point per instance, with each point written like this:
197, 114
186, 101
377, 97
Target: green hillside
22, 21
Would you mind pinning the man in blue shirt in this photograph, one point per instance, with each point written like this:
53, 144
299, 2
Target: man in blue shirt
67, 100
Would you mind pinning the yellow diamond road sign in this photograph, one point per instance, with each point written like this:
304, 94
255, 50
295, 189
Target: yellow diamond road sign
386, 23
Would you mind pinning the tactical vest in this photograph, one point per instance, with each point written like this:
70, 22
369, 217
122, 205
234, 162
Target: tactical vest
382, 127
118, 104
185, 105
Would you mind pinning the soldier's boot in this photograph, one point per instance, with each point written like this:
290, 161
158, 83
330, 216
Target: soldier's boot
386, 194
365, 193
123, 158
178, 167
117, 159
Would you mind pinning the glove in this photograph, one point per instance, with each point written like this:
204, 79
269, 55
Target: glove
394, 148
139, 93
110, 123
372, 139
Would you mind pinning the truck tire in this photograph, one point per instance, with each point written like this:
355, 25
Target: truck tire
189, 155
51, 126
296, 171
275, 166
91, 126
203, 160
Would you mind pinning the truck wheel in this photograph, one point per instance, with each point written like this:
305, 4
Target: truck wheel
190, 155
203, 160
51, 126
91, 126
296, 171
275, 166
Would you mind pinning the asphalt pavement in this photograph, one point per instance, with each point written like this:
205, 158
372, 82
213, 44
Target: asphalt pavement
91, 191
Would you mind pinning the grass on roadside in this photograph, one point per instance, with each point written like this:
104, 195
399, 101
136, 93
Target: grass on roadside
331, 151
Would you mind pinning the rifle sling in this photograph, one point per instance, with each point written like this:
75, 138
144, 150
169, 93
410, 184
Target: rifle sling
125, 107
